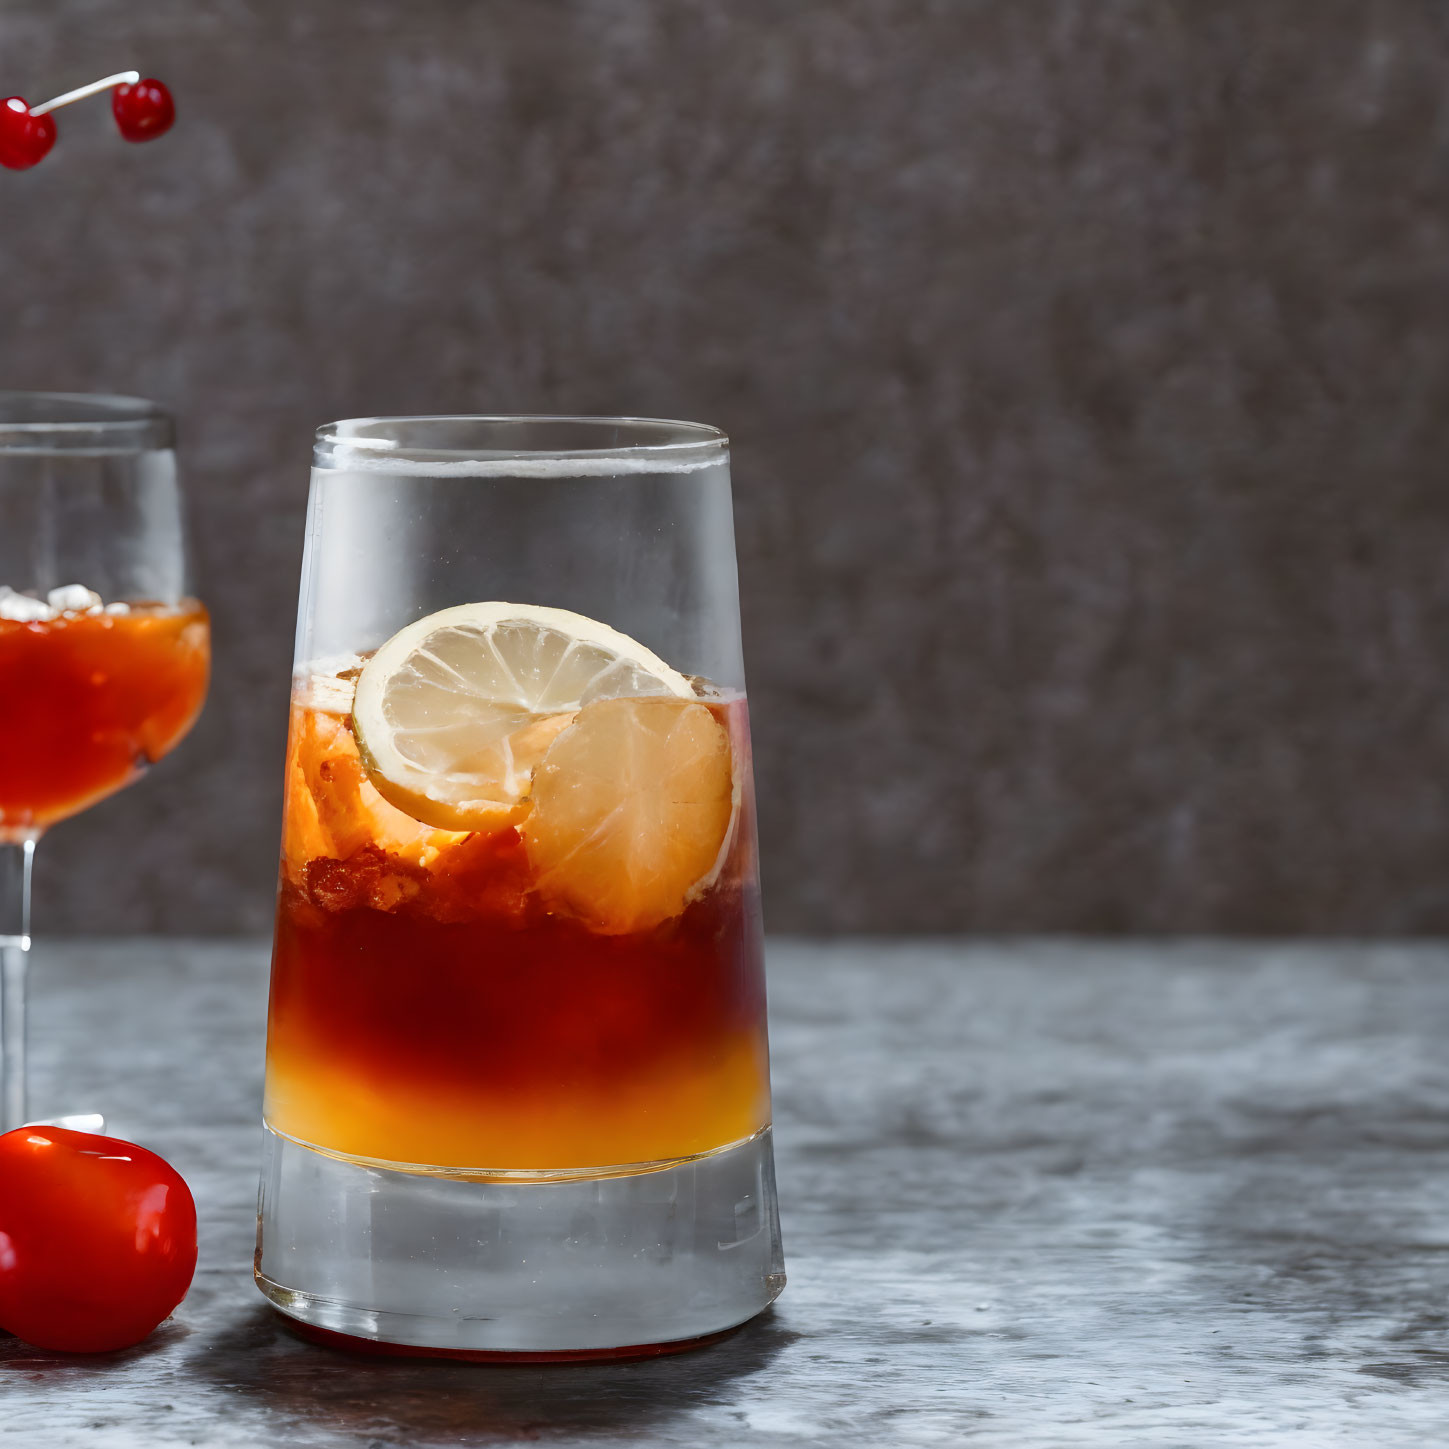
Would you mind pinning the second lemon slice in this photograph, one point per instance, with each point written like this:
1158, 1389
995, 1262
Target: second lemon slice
454, 712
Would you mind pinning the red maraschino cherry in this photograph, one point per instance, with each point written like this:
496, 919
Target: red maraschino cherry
144, 110
24, 136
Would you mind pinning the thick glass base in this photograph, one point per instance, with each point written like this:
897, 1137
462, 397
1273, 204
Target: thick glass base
377, 1348
520, 1264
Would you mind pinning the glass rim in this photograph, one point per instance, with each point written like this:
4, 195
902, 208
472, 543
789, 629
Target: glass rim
656, 436
82, 422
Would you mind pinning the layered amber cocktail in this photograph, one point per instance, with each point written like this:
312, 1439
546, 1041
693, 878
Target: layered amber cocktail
517, 1092
501, 997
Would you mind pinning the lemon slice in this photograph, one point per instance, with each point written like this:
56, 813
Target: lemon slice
454, 713
631, 808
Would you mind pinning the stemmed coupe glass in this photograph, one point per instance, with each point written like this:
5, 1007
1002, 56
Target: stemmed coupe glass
104, 653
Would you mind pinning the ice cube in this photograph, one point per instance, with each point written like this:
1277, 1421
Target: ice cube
323, 688
73, 599
22, 607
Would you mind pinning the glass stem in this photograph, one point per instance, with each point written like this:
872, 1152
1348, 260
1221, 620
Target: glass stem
16, 859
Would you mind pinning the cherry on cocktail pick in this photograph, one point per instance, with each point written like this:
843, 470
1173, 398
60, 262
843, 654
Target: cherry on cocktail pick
143, 110
24, 136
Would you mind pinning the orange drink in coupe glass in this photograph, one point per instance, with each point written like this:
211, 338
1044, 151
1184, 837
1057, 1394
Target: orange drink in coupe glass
92, 697
104, 652
517, 1018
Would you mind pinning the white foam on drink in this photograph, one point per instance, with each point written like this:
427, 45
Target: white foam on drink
22, 608
68, 599
73, 599
357, 460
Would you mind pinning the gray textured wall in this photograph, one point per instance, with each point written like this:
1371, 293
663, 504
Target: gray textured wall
1086, 365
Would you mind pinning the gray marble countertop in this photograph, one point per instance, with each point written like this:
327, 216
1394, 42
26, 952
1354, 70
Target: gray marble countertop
1034, 1194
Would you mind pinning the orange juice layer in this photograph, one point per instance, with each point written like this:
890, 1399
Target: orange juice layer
427, 1006
89, 701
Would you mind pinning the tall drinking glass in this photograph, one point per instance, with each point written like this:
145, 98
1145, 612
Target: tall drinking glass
104, 653
517, 1095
